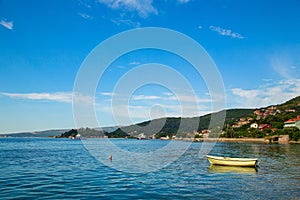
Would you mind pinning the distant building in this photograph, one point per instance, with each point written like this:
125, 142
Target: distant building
241, 122
263, 127
205, 133
290, 110
257, 112
242, 119
295, 122
272, 108
254, 125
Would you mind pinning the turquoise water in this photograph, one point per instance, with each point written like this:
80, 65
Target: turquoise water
42, 168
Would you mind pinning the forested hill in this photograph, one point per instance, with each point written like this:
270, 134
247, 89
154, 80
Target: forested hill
237, 120
171, 124
291, 104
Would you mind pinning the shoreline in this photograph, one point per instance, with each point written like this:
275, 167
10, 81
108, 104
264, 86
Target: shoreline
243, 140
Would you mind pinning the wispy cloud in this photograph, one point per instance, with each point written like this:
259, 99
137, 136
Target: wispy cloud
82, 99
64, 97
266, 95
128, 22
107, 94
143, 7
285, 65
85, 3
188, 98
7, 24
145, 97
129, 114
141, 107
166, 96
85, 16
59, 96
226, 32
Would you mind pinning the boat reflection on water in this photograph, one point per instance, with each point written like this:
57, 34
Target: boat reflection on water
232, 169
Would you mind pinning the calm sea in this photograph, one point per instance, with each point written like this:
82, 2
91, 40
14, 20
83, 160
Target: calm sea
42, 168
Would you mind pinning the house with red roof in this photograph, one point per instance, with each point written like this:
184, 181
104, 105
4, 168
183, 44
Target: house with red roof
263, 127
294, 122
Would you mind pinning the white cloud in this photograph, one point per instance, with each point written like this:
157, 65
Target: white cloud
143, 7
266, 95
85, 16
7, 24
145, 97
59, 96
226, 32
107, 94
82, 99
65, 97
246, 93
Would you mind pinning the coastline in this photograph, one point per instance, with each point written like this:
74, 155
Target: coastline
253, 140
244, 140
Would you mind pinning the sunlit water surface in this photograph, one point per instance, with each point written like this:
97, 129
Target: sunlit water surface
43, 168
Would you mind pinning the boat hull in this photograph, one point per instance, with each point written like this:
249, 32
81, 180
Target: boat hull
225, 161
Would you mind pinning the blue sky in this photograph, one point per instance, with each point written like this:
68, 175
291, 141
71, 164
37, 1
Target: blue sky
255, 45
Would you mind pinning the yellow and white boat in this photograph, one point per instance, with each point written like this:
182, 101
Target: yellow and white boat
240, 162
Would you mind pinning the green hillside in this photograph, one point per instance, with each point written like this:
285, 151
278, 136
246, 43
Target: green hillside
267, 122
171, 124
270, 121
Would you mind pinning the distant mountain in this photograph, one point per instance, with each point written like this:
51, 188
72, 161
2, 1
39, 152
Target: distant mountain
46, 133
55, 133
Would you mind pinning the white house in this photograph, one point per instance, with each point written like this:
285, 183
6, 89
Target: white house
254, 125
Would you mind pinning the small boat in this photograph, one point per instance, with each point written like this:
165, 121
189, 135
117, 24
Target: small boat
240, 162
141, 137
165, 138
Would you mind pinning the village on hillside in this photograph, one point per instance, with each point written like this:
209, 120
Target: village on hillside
267, 123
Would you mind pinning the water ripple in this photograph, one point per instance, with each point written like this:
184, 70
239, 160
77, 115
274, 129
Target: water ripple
62, 169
